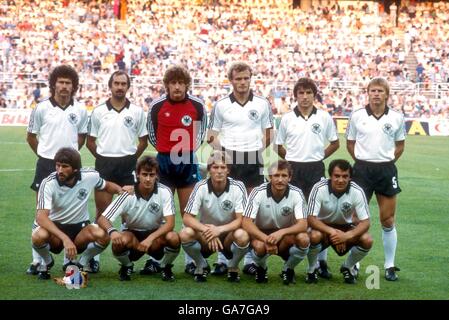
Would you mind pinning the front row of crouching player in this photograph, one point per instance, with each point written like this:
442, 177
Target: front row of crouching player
218, 217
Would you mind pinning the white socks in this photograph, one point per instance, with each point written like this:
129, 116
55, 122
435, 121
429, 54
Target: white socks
390, 240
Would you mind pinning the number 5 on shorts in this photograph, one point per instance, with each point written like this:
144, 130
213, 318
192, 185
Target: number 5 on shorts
394, 182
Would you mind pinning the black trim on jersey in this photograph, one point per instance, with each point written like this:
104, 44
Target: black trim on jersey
299, 114
251, 197
337, 194
139, 195
270, 193
55, 104
110, 107
370, 112
210, 187
116, 205
233, 99
242, 188
313, 195
192, 196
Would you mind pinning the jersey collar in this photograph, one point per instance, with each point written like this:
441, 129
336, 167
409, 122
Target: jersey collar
110, 107
233, 99
337, 194
139, 195
270, 193
210, 187
370, 113
55, 104
299, 114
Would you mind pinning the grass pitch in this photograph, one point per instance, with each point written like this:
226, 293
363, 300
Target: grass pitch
422, 252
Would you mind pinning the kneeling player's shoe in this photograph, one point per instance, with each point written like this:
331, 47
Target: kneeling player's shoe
261, 275
355, 270
33, 269
200, 277
250, 269
151, 267
347, 275
44, 270
312, 277
288, 276
125, 273
390, 274
323, 270
233, 276
190, 268
219, 269
167, 273
94, 266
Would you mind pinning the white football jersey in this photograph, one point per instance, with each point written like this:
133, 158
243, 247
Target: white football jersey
57, 128
217, 209
142, 214
305, 139
69, 204
334, 208
241, 128
375, 137
117, 132
267, 213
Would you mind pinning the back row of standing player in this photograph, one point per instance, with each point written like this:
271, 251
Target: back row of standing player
241, 124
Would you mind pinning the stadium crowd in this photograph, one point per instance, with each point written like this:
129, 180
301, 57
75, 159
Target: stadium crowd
340, 46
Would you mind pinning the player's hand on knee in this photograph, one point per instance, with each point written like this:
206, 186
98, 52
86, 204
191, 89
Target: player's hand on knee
117, 239
215, 245
70, 249
145, 245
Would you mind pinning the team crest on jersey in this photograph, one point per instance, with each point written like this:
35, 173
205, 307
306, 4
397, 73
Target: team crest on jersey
73, 118
154, 207
186, 120
253, 115
82, 194
316, 128
285, 211
227, 205
346, 207
128, 121
388, 129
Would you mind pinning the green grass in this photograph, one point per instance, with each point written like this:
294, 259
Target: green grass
422, 250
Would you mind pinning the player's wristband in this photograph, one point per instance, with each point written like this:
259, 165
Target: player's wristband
111, 230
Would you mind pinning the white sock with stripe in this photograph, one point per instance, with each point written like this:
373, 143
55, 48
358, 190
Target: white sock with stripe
193, 249
237, 254
297, 254
248, 258
322, 256
355, 255
123, 258
36, 256
170, 255
44, 252
260, 261
93, 249
312, 256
